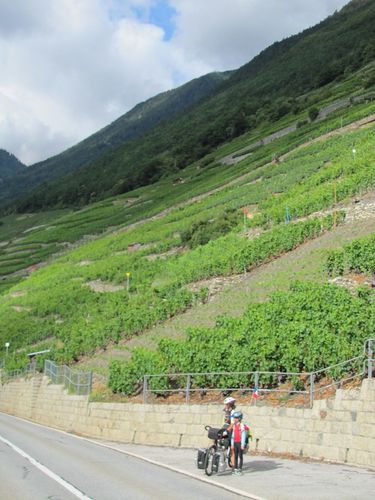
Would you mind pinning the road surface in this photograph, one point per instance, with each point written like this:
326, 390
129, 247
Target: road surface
41, 463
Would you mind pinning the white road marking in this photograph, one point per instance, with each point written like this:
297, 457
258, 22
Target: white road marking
201, 478
46, 471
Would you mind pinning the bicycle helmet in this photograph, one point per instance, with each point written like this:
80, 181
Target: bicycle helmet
229, 401
237, 414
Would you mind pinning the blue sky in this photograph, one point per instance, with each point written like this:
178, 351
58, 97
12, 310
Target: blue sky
160, 14
157, 12
70, 67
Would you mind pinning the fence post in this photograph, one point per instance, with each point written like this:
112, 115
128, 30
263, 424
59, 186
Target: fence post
89, 388
312, 376
188, 382
256, 385
369, 358
145, 389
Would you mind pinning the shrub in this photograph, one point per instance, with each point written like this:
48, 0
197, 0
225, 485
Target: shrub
313, 113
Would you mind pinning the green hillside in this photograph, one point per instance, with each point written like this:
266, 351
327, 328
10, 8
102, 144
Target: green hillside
82, 301
277, 84
135, 123
9, 166
271, 203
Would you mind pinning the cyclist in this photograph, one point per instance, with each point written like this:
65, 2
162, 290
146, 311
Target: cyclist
229, 407
238, 442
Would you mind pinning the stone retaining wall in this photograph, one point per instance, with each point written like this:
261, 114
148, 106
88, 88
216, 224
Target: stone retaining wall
340, 429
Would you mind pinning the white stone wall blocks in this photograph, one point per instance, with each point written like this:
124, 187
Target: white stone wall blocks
337, 429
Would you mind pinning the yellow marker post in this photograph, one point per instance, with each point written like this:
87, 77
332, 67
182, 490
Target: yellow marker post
127, 281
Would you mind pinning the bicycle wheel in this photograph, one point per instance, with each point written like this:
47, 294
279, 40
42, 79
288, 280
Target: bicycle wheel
209, 462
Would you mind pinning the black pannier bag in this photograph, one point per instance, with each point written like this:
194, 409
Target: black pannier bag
225, 443
215, 433
201, 457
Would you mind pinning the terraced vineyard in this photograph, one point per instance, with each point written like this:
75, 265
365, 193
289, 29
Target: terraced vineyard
119, 267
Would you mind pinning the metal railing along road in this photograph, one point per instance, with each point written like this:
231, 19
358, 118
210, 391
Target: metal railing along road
262, 382
21, 372
77, 382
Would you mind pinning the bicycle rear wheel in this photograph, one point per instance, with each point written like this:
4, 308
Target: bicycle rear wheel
209, 462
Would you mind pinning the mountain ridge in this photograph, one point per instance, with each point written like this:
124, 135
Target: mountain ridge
134, 123
274, 84
9, 165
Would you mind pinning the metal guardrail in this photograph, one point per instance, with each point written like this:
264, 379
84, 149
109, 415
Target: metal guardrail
77, 382
261, 382
22, 372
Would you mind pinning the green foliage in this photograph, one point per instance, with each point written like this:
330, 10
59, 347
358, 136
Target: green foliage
302, 123
233, 254
330, 173
335, 263
313, 113
202, 232
305, 329
358, 256
125, 378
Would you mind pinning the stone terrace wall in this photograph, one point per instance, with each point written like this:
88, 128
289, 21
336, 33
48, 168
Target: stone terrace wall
340, 429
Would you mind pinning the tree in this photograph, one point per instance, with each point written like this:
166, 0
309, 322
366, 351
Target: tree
313, 113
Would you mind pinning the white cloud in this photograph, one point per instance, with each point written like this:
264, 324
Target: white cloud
70, 67
226, 34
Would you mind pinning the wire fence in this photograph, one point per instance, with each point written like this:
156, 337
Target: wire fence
76, 382
258, 384
22, 372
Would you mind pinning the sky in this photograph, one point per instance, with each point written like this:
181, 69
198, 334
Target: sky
70, 67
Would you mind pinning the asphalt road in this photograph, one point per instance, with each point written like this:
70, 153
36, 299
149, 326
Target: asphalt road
41, 463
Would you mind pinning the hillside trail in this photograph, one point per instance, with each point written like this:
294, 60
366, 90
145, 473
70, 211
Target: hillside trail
231, 295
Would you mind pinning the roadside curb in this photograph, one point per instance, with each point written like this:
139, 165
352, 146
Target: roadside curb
203, 479
180, 471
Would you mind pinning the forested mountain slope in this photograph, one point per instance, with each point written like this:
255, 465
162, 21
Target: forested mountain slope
272, 86
9, 165
135, 123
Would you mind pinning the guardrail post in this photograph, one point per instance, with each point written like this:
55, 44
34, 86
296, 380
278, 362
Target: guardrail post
369, 358
256, 380
312, 377
145, 389
89, 388
188, 382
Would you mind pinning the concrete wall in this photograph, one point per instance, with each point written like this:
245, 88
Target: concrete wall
339, 429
